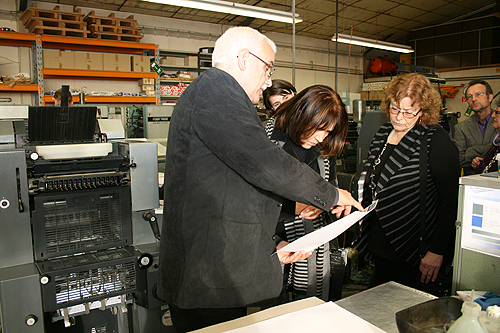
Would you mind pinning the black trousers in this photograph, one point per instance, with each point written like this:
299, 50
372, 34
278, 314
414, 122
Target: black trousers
186, 320
388, 270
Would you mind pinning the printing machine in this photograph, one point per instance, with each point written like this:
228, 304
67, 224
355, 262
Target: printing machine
78, 233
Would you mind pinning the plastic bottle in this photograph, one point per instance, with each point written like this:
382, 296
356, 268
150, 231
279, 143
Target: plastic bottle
468, 322
490, 319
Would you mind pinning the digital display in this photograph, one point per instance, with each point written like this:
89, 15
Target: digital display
481, 220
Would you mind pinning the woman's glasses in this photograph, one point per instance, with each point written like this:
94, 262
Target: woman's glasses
407, 114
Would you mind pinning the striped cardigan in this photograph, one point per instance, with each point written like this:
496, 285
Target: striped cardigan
398, 192
310, 277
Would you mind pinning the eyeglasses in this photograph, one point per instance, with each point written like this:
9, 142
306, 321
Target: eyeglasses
406, 114
496, 112
269, 68
478, 94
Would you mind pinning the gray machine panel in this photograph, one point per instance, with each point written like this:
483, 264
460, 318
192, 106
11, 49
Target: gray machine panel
6, 132
15, 235
20, 299
157, 121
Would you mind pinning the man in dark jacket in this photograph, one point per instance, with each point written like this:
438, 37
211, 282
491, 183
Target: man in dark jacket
224, 184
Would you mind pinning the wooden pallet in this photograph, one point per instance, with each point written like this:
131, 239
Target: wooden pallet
55, 13
40, 30
115, 36
91, 18
115, 29
38, 22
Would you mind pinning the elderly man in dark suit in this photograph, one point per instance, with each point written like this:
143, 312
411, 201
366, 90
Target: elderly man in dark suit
474, 135
224, 187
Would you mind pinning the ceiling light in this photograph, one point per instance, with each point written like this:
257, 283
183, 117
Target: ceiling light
234, 9
372, 43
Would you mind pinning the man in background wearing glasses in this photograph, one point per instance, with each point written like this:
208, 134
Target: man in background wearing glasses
474, 135
224, 186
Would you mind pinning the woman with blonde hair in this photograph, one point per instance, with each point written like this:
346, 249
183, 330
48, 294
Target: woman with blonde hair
412, 170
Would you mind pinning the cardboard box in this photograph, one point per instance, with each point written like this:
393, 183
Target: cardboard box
88, 61
150, 93
376, 95
365, 95
146, 81
193, 61
58, 59
184, 74
140, 64
172, 61
116, 62
147, 87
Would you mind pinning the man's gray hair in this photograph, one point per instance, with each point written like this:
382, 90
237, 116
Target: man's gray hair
234, 40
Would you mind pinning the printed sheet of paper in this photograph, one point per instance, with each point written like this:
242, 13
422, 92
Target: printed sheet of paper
327, 317
321, 236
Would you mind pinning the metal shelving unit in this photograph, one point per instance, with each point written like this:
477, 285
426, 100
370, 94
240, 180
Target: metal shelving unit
39, 42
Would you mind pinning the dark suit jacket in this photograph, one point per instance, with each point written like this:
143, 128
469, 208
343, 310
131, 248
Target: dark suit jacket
471, 143
224, 183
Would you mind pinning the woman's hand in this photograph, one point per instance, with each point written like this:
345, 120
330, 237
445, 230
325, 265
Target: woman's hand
429, 266
286, 257
307, 212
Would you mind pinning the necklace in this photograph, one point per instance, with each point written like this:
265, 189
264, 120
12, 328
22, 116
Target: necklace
376, 163
493, 159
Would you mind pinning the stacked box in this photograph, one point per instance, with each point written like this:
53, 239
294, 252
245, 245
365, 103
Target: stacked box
58, 59
172, 61
140, 64
146, 81
89, 61
174, 90
116, 62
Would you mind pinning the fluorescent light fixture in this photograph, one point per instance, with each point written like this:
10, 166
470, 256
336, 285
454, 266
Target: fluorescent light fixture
372, 43
234, 9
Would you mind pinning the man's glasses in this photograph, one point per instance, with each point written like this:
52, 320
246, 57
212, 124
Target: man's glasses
496, 112
269, 68
407, 114
478, 94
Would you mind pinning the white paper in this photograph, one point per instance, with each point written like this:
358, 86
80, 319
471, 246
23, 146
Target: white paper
327, 317
321, 236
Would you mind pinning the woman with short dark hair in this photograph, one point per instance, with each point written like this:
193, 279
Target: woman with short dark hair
311, 127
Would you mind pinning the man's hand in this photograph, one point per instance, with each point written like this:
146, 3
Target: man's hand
345, 204
288, 257
476, 161
429, 266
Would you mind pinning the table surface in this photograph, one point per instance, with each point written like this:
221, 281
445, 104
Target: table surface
379, 305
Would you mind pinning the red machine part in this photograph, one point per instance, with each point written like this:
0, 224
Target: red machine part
382, 65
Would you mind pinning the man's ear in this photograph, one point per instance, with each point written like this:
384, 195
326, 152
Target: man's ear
243, 55
490, 97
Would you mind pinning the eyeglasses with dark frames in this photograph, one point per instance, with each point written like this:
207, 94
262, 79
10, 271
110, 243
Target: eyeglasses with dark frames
478, 94
269, 68
407, 114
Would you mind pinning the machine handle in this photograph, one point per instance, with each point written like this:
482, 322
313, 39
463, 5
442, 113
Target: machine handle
153, 221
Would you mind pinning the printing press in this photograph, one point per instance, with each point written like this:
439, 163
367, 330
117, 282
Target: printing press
79, 236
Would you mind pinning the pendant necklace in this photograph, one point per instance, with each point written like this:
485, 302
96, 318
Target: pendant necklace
376, 163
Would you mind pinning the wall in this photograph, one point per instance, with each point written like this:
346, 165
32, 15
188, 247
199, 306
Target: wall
458, 104
315, 58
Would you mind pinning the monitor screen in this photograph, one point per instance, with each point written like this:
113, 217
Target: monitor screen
481, 220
